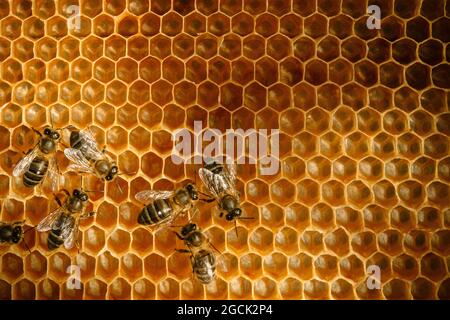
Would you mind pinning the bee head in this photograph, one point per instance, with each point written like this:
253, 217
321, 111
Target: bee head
52, 134
230, 216
80, 195
188, 229
17, 234
192, 191
112, 173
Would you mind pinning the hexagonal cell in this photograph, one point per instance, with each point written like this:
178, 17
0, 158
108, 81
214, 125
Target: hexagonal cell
356, 145
409, 145
384, 262
48, 290
349, 218
354, 49
416, 241
383, 145
418, 76
24, 290
380, 98
423, 289
396, 289
379, 50
352, 268
316, 290
311, 241
364, 243
12, 266
265, 288
432, 266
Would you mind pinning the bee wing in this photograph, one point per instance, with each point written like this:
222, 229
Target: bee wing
150, 195
53, 174
230, 168
69, 232
90, 146
23, 164
208, 179
79, 161
47, 223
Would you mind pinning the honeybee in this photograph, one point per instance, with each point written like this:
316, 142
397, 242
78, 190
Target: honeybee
63, 222
163, 207
220, 181
86, 156
203, 260
11, 233
40, 162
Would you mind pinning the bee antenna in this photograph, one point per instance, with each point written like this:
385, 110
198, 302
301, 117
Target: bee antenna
30, 229
94, 191
235, 228
26, 245
246, 218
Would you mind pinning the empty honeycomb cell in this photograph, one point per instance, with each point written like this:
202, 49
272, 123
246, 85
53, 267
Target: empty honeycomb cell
432, 100
183, 46
438, 29
143, 290
444, 289
311, 241
297, 216
95, 290
46, 93
35, 265
261, 240
436, 146
438, 193
429, 218
349, 218
48, 290
286, 240
342, 289
24, 290
106, 215
402, 218
322, 216
116, 93
431, 52
104, 115
326, 266
34, 71
56, 27
379, 50
115, 47
11, 27
380, 98
119, 289
316, 290
440, 242
390, 241
405, 266
411, 192
383, 145
240, 288
265, 288
86, 264
423, 289
366, 73
384, 193
396, 289
440, 74
337, 241
364, 293
364, 243
409, 145
12, 266
432, 266
356, 145
272, 216
382, 261
192, 289
33, 28
57, 266
308, 191
352, 268
81, 70
127, 70
416, 241
107, 266
12, 71
168, 289
227, 265
103, 26
131, 267
119, 241
418, 76
94, 239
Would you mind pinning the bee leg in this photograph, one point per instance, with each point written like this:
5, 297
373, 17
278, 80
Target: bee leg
179, 236
58, 201
182, 250
37, 132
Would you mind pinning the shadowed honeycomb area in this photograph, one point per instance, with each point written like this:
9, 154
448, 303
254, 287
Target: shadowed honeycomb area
364, 123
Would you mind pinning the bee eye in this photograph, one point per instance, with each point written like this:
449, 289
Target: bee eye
55, 135
76, 192
47, 131
108, 178
114, 169
229, 217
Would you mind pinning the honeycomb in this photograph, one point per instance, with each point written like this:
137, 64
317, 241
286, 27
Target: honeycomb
364, 126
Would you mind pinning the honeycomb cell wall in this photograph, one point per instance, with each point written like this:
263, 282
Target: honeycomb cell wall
364, 122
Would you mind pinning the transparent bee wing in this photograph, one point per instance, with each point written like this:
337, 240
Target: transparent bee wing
53, 174
79, 162
47, 223
230, 169
23, 164
147, 196
208, 180
90, 146
69, 232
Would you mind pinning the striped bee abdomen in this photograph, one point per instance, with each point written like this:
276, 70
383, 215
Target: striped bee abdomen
36, 172
204, 266
54, 240
156, 212
76, 141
